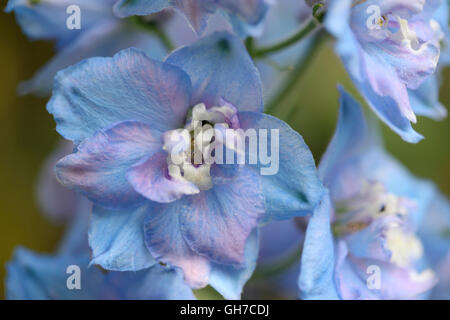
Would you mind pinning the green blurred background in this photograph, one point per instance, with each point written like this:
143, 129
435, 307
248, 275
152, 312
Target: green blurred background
27, 136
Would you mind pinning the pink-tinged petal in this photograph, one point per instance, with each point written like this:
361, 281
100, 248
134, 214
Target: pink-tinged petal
166, 244
55, 201
216, 223
228, 280
151, 179
395, 283
196, 12
98, 169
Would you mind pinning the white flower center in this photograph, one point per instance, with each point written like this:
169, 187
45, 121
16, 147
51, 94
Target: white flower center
405, 35
375, 202
188, 146
372, 202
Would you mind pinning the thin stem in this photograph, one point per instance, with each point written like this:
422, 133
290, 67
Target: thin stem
278, 266
164, 39
297, 73
152, 27
303, 32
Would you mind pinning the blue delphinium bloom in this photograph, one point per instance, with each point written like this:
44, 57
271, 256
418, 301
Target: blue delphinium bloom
101, 33
33, 276
387, 48
245, 16
369, 225
129, 115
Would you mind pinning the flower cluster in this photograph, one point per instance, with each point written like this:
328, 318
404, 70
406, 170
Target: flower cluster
174, 176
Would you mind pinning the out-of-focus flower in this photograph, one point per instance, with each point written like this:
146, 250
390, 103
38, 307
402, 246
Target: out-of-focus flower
246, 16
55, 201
364, 243
435, 234
33, 276
387, 48
131, 117
101, 33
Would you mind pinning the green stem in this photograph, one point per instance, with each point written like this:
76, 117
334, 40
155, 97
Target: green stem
303, 32
296, 74
153, 27
278, 266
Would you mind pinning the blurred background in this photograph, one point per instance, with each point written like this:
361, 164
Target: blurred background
28, 136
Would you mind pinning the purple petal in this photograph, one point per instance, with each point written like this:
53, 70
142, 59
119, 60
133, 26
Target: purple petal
150, 178
216, 223
98, 169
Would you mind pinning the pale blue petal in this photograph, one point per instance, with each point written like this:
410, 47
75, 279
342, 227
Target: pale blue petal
396, 283
98, 169
220, 68
216, 223
33, 276
116, 238
47, 19
164, 240
425, 99
104, 40
246, 16
434, 232
352, 138
316, 279
230, 281
295, 189
125, 8
99, 92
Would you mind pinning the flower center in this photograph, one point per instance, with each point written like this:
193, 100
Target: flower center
372, 202
191, 149
405, 35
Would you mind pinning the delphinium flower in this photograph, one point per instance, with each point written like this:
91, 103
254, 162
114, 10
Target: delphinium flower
131, 117
101, 33
33, 276
388, 48
363, 242
246, 16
